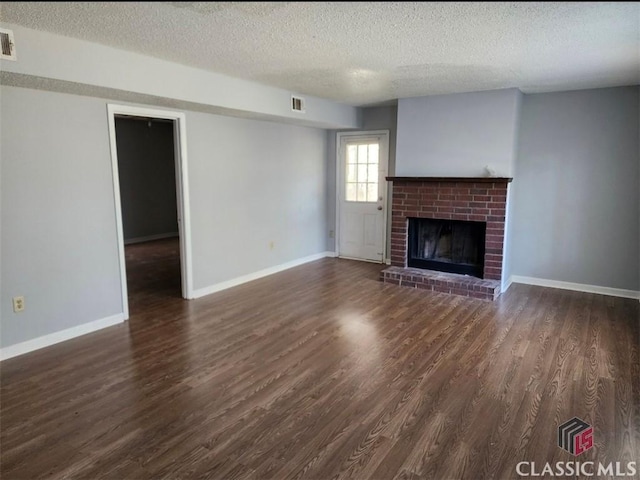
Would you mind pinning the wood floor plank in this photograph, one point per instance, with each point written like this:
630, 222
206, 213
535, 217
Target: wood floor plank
323, 372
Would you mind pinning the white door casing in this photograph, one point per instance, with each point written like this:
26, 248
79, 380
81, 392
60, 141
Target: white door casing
182, 192
362, 195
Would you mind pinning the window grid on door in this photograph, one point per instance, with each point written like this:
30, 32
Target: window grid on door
362, 173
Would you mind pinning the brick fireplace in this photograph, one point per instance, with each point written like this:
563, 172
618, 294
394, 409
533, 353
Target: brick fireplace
480, 200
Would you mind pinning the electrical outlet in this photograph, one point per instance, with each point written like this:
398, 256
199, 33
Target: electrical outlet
332, 234
18, 304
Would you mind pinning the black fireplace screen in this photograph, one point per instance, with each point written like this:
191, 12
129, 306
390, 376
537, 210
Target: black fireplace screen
453, 246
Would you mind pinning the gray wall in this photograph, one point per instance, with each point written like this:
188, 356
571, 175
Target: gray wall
251, 183
373, 118
383, 118
456, 135
147, 174
507, 255
59, 244
576, 188
507, 267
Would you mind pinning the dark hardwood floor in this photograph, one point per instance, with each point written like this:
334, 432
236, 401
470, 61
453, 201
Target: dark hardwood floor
323, 372
153, 273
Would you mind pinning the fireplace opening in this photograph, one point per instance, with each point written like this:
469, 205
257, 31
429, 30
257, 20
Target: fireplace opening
453, 246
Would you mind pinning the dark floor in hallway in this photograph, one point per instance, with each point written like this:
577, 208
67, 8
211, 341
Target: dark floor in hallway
153, 273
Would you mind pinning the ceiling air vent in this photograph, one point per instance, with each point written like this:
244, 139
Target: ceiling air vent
8, 47
297, 104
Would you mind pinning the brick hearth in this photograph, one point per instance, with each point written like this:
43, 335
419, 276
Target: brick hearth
475, 199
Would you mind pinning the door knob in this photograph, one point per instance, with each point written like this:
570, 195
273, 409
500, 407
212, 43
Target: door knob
379, 207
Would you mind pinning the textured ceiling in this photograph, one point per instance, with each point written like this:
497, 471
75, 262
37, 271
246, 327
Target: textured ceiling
367, 53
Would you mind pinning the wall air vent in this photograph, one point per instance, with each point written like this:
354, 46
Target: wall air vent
8, 46
297, 104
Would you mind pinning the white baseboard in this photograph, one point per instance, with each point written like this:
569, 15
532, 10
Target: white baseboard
61, 336
150, 238
506, 284
201, 292
578, 287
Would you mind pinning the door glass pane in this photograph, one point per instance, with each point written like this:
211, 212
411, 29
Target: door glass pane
373, 173
362, 192
352, 154
362, 154
361, 182
351, 173
362, 172
351, 192
373, 153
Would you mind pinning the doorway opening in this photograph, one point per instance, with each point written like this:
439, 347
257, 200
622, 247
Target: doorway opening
148, 151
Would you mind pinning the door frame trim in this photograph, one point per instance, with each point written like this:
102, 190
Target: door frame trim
384, 143
182, 192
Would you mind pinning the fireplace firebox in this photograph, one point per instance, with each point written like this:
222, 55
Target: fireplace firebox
454, 246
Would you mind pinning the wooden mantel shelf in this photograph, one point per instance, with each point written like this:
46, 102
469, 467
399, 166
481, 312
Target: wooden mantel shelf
452, 179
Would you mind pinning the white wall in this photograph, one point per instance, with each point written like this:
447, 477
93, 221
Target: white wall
575, 212
456, 135
252, 182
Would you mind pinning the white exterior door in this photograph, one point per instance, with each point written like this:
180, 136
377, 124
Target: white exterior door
362, 192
